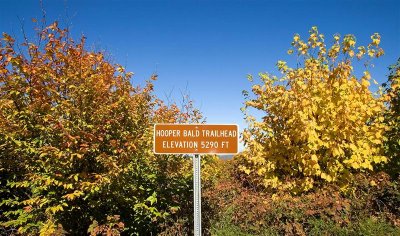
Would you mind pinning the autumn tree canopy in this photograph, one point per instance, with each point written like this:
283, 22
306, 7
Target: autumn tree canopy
321, 121
76, 142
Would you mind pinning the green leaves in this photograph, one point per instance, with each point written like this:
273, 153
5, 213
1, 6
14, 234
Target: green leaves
152, 199
392, 118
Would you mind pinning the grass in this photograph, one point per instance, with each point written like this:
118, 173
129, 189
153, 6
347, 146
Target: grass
370, 226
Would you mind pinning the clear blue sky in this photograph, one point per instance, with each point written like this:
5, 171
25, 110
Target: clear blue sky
209, 47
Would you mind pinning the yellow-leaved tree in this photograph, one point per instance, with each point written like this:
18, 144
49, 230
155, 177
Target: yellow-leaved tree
321, 122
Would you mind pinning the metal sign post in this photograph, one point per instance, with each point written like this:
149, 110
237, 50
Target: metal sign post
196, 139
197, 194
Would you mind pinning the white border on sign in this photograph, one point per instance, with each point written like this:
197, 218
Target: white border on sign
183, 153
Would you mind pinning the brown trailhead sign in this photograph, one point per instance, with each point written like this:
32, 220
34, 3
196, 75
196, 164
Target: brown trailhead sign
195, 139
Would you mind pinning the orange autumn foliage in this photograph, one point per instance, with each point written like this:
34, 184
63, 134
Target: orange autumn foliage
76, 142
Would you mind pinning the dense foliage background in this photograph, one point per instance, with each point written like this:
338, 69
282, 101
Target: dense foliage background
76, 147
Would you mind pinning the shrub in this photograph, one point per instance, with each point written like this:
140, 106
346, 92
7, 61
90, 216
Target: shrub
370, 204
392, 118
76, 143
320, 122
